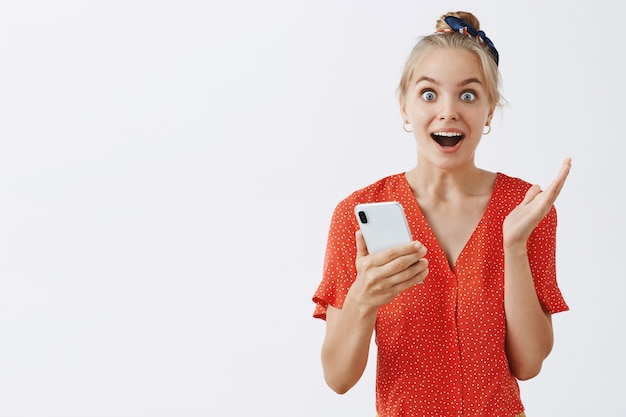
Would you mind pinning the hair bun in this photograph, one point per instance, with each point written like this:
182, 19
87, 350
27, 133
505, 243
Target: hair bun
467, 16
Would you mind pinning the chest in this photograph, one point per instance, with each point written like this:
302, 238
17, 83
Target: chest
453, 223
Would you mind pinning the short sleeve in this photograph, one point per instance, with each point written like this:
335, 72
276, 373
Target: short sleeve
339, 271
542, 257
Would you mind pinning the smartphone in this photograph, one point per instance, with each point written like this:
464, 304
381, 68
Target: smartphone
383, 225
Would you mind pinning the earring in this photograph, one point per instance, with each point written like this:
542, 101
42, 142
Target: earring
488, 130
404, 127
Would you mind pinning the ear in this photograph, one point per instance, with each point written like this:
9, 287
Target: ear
402, 101
490, 115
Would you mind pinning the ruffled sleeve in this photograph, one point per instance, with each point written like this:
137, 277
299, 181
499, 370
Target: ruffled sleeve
542, 257
339, 271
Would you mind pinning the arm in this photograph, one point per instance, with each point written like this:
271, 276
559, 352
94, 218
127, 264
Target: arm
529, 335
346, 345
380, 277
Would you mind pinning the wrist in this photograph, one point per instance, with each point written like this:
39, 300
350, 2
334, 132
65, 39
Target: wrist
515, 248
362, 309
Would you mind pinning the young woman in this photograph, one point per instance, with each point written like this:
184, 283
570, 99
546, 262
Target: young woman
464, 310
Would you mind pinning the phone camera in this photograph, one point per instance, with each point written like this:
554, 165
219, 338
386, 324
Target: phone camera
363, 217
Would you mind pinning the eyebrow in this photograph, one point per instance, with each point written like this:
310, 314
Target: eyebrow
470, 80
423, 78
464, 82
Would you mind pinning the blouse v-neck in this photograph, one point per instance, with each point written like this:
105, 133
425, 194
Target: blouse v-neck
414, 205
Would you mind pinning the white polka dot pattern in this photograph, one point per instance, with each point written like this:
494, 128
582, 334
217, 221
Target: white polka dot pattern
441, 344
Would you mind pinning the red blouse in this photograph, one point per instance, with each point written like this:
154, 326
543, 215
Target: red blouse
441, 344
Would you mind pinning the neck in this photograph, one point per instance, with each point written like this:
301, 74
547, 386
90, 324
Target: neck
433, 182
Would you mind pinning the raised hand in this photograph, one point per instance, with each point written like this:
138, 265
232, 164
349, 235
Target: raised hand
523, 219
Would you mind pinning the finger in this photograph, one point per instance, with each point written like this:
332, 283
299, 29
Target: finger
563, 174
412, 276
566, 166
554, 189
531, 194
361, 248
389, 255
557, 184
403, 268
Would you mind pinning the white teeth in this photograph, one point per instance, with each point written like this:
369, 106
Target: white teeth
448, 134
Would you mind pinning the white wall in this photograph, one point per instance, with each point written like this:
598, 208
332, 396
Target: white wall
168, 170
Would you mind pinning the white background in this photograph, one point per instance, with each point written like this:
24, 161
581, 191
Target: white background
168, 170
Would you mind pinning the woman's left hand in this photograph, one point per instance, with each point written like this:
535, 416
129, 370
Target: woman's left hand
523, 219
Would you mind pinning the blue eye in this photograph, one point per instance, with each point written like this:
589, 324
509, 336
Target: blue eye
429, 95
468, 96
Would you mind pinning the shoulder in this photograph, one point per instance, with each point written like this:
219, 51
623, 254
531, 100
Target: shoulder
511, 191
382, 190
511, 188
513, 183
385, 189
343, 222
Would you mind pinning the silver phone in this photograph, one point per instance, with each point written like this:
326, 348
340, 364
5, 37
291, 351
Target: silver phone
383, 225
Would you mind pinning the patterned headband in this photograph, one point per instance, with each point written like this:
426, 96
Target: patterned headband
459, 25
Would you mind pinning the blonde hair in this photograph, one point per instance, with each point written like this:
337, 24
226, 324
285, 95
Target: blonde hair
454, 40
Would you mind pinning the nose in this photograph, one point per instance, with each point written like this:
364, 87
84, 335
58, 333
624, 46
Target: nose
448, 109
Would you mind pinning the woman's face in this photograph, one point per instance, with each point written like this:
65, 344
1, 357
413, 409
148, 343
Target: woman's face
447, 106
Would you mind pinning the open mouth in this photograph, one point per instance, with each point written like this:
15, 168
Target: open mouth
447, 138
